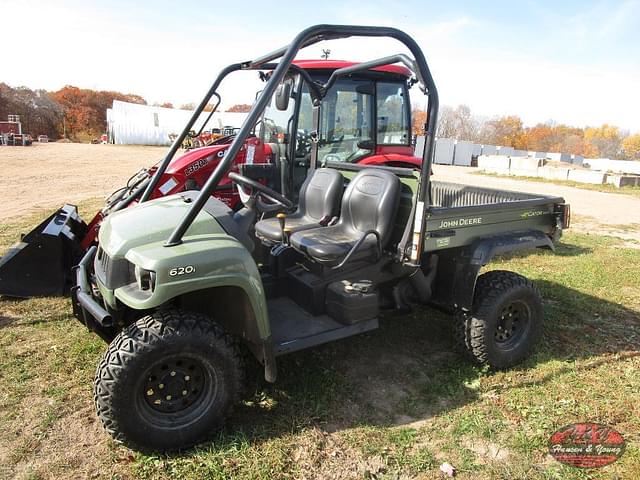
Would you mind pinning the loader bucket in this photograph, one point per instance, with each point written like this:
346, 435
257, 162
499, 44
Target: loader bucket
41, 263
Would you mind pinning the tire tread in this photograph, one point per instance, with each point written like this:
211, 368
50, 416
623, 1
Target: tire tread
469, 327
141, 337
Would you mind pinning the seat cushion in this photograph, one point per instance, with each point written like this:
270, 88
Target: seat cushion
319, 198
368, 204
269, 228
330, 245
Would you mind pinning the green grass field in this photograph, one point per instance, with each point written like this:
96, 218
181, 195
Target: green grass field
394, 403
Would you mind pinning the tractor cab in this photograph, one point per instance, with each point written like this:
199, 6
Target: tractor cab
363, 118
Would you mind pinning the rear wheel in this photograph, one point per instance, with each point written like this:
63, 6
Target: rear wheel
506, 321
168, 381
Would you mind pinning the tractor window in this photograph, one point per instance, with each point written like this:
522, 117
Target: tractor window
392, 114
276, 123
346, 122
305, 126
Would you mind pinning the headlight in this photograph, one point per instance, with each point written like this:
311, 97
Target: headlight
146, 279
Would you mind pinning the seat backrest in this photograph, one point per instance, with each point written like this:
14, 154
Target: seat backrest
320, 193
370, 202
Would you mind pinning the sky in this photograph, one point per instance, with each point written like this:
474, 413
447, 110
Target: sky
574, 62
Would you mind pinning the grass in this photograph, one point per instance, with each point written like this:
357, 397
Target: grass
605, 187
395, 403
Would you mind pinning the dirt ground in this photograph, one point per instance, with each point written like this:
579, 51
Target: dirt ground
48, 175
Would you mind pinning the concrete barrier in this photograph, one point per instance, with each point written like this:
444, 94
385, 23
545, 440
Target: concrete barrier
477, 150
489, 150
559, 157
494, 164
587, 176
462, 153
616, 166
624, 180
524, 166
554, 173
444, 151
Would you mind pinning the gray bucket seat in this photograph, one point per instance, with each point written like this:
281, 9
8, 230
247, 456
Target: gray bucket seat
369, 206
319, 201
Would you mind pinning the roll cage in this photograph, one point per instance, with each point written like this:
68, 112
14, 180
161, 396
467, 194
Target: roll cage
310, 36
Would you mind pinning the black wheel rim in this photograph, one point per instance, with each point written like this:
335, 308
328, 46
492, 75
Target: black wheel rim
514, 321
177, 390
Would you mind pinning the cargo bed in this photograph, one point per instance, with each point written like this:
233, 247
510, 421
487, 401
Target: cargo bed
462, 213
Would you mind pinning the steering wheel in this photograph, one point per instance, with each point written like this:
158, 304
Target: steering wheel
259, 192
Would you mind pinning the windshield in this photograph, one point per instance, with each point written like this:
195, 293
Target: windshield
346, 122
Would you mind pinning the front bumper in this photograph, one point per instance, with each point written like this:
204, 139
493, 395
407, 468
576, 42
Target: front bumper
85, 308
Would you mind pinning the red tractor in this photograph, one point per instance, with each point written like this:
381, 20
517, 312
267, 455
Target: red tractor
364, 118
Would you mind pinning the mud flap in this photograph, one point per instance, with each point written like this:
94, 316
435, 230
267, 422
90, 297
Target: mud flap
40, 264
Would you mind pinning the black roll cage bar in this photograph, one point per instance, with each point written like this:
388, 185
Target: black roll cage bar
307, 37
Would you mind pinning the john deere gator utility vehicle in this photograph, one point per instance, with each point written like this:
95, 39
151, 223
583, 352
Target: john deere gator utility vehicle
179, 285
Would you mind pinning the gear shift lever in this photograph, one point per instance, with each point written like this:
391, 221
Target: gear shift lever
281, 218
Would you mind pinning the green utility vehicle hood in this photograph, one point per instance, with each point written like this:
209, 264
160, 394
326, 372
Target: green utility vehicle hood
215, 251
152, 222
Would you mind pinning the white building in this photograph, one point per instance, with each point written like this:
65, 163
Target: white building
134, 124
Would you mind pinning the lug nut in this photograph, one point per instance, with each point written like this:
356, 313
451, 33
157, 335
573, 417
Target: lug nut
161, 386
187, 378
173, 374
184, 392
150, 392
168, 397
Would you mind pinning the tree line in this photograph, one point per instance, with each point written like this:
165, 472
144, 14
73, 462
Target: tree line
606, 141
71, 112
78, 114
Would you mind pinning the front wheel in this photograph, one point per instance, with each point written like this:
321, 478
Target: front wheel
167, 381
505, 322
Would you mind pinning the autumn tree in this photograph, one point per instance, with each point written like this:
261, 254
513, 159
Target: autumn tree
240, 108
418, 119
631, 147
606, 140
163, 104
85, 111
540, 138
507, 131
39, 113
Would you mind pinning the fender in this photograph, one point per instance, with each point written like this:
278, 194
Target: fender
221, 265
458, 268
216, 260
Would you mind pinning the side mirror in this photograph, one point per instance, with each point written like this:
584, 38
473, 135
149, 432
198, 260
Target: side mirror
283, 94
367, 144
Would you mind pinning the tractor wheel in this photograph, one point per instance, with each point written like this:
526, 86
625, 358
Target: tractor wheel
168, 381
506, 321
